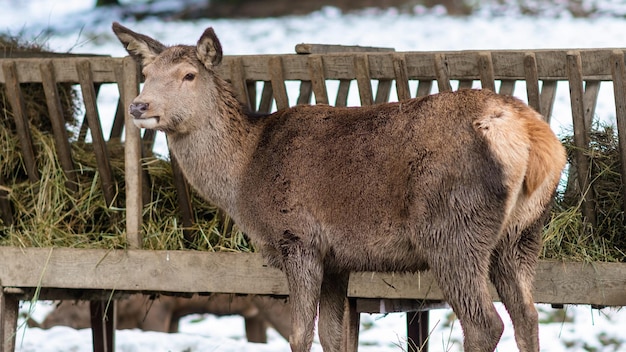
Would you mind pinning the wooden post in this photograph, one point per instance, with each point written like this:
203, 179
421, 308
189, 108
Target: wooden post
581, 136
619, 86
8, 317
417, 331
351, 325
103, 325
132, 154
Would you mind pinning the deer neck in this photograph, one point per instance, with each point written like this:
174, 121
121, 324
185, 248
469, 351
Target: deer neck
213, 156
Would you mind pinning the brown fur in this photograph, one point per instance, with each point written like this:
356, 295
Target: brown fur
163, 313
458, 183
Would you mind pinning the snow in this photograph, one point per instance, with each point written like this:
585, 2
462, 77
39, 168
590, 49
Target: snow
72, 25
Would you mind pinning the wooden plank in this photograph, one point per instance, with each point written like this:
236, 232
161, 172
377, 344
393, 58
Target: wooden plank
166, 271
485, 69
307, 48
441, 73
507, 86
20, 117
267, 96
342, 92
194, 271
64, 69
383, 91
57, 120
424, 88
132, 156
9, 308
402, 77
351, 326
619, 89
306, 93
466, 84
238, 82
532, 81
548, 95
364, 83
590, 100
507, 64
103, 325
275, 65
118, 121
581, 136
317, 76
109, 188
6, 213
555, 282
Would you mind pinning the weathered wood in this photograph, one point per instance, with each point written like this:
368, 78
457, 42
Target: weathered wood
317, 77
361, 67
619, 89
278, 82
9, 307
418, 331
548, 94
83, 67
342, 92
555, 282
401, 76
581, 136
485, 69
441, 73
507, 64
351, 325
307, 48
6, 213
20, 117
103, 325
532, 81
424, 88
507, 86
383, 91
238, 82
590, 100
57, 120
166, 271
267, 96
466, 84
306, 93
193, 271
120, 112
132, 156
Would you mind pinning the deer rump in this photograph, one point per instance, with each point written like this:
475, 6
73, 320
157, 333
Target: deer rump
459, 183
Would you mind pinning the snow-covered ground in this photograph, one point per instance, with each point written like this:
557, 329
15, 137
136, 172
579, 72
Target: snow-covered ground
72, 25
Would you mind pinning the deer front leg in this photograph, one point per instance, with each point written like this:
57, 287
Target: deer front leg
304, 270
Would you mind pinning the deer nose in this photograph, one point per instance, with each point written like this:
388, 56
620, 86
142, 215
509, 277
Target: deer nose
138, 109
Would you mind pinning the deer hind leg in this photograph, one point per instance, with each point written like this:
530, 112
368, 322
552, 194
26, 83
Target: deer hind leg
331, 319
464, 286
512, 273
303, 268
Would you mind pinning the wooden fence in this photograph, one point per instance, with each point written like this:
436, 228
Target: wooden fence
260, 82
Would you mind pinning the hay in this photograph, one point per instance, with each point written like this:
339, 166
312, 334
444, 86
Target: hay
568, 236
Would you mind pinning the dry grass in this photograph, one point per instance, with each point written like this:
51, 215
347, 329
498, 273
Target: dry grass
568, 236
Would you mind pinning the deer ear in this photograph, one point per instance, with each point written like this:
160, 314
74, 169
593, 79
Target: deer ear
209, 49
141, 47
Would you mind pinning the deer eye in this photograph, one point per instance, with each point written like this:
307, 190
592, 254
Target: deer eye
189, 77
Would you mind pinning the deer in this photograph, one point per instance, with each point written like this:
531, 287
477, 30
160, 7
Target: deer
459, 183
163, 313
